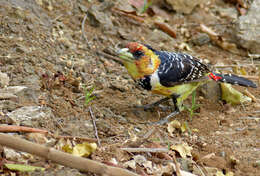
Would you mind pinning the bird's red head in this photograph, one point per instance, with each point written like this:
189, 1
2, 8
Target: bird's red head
144, 60
138, 50
134, 46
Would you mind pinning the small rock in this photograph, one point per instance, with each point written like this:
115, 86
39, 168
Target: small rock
158, 36
139, 159
4, 79
117, 86
257, 164
248, 29
98, 18
186, 164
130, 164
184, 6
229, 13
12, 89
125, 6
211, 91
200, 39
11, 154
26, 114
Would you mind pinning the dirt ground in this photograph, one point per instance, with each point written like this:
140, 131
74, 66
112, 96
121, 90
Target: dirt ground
43, 48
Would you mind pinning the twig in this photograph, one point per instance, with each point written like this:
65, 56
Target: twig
94, 124
247, 93
129, 15
83, 27
65, 159
149, 133
178, 170
152, 150
202, 173
74, 138
165, 28
140, 141
15, 128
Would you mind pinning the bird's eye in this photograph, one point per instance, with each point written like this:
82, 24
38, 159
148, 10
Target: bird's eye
138, 54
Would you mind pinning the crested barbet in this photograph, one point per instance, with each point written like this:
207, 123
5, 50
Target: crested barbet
174, 75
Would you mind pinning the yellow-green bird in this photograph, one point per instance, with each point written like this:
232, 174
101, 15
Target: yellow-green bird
174, 75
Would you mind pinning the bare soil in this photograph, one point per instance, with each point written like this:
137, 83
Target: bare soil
42, 47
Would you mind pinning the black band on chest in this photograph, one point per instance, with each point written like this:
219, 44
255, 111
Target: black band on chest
145, 83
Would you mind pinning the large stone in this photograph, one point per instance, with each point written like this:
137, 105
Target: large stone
248, 29
184, 6
25, 115
98, 18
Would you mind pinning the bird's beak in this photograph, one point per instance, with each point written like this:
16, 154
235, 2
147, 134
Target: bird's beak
125, 55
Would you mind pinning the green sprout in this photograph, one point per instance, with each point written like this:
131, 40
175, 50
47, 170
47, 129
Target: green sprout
193, 107
147, 4
88, 95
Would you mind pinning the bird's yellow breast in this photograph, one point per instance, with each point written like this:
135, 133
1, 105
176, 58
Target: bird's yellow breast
178, 89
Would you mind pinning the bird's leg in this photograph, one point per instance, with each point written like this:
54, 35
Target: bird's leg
174, 100
152, 105
174, 113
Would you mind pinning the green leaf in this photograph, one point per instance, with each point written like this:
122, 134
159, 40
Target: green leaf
231, 95
88, 95
23, 168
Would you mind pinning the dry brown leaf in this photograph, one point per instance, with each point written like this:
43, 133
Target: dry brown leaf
183, 149
172, 126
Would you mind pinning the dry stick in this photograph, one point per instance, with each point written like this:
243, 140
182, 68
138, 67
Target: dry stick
94, 124
83, 27
129, 15
65, 159
15, 128
74, 138
152, 150
140, 141
178, 170
165, 28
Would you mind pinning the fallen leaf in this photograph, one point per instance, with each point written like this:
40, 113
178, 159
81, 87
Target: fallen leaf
219, 173
230, 174
84, 149
23, 168
172, 126
183, 149
231, 95
67, 148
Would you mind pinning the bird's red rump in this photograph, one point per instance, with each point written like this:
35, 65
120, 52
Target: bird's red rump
214, 77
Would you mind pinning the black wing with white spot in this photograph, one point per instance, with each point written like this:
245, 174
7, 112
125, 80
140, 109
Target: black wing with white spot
179, 68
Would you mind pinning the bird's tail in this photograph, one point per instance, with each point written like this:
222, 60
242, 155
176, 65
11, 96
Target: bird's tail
232, 79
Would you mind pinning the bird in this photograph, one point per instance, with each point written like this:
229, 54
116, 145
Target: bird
173, 75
